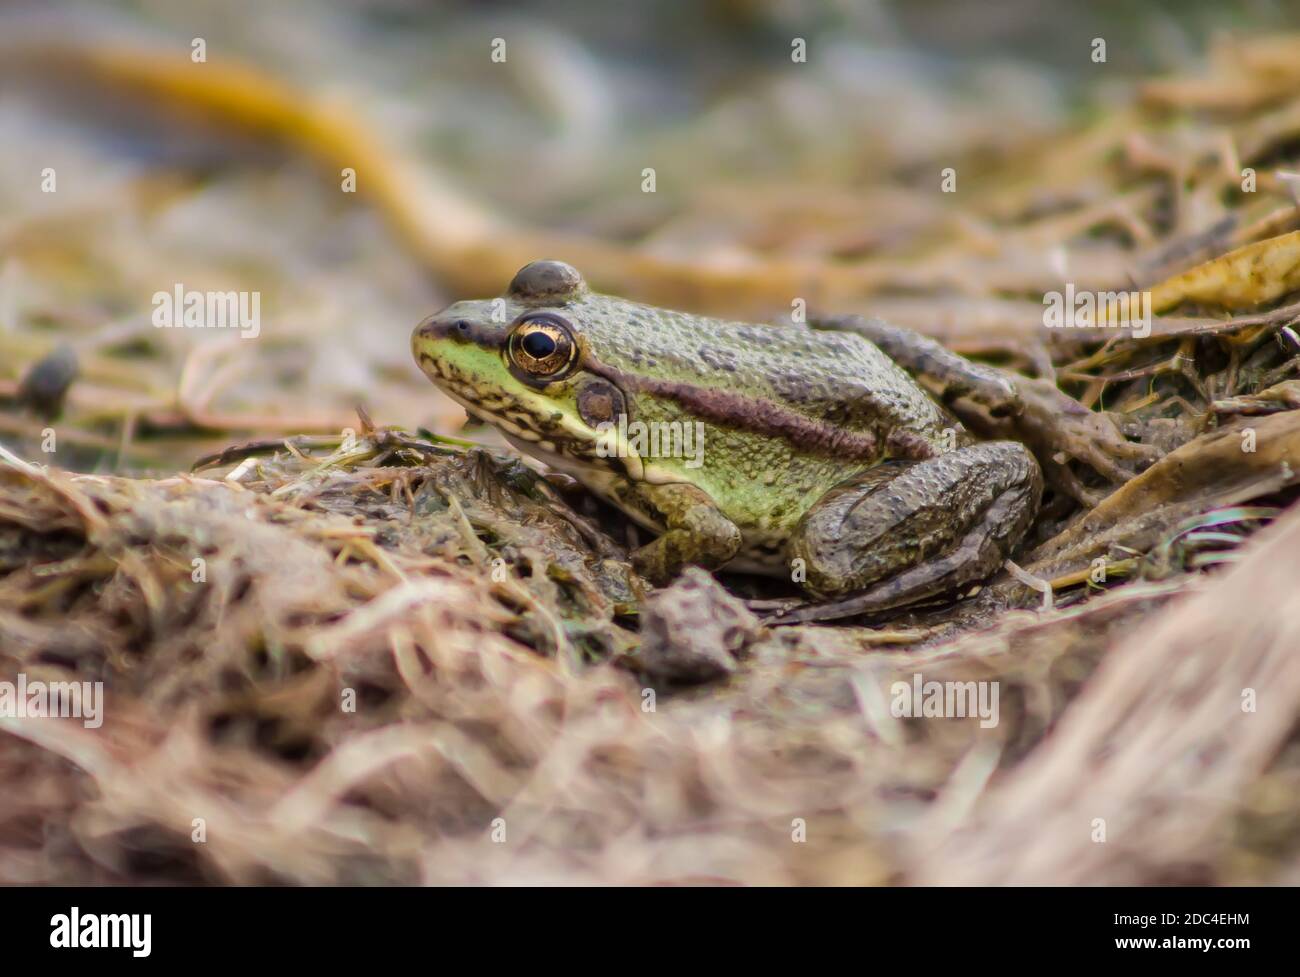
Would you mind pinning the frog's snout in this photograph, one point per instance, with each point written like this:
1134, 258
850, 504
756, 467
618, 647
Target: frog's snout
464, 322
432, 343
438, 328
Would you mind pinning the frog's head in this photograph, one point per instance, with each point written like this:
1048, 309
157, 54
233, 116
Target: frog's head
523, 363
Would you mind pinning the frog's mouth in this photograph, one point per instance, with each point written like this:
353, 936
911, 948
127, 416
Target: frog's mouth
566, 443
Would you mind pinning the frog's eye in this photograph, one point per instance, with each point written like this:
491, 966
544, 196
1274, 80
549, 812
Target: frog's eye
542, 346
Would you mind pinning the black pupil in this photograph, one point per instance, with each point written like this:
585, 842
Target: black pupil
538, 345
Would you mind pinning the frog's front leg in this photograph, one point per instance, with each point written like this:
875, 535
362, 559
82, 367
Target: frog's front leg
879, 542
697, 532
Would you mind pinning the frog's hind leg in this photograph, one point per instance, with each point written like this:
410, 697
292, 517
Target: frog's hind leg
946, 374
880, 542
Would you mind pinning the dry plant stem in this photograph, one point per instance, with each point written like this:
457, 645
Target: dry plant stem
1158, 749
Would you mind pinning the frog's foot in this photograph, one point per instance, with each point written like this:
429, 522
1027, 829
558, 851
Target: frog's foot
944, 373
1057, 427
697, 533
876, 543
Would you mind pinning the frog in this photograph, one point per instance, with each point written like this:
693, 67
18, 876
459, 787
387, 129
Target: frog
799, 450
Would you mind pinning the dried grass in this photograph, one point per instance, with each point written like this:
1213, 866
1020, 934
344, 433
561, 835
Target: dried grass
475, 716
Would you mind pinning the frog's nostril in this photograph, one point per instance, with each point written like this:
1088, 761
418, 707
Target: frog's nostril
434, 328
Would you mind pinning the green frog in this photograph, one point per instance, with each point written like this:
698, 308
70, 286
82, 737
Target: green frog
800, 450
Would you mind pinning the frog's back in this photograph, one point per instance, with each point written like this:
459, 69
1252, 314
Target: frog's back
838, 377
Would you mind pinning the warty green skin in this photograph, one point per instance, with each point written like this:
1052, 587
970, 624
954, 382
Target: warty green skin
789, 414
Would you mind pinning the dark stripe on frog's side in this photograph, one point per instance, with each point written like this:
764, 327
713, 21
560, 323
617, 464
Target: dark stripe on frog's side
732, 409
